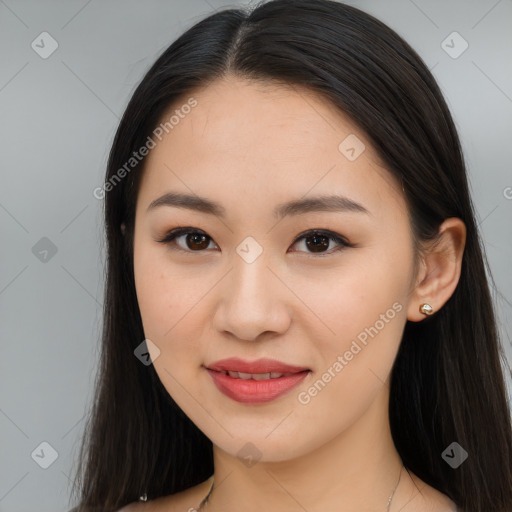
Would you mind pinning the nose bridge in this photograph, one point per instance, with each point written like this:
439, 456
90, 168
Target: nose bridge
251, 278
251, 302
250, 266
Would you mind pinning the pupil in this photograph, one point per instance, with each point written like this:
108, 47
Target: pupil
322, 244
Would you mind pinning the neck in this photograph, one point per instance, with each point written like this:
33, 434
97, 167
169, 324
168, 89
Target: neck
355, 471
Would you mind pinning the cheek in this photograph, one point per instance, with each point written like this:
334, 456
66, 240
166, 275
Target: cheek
169, 302
152, 295
156, 295
166, 307
361, 313
366, 311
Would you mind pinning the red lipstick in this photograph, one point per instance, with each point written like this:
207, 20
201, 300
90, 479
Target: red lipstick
257, 381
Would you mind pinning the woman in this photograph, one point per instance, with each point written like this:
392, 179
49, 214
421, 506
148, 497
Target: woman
297, 313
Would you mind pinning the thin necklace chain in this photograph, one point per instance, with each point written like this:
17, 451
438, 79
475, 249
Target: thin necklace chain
204, 503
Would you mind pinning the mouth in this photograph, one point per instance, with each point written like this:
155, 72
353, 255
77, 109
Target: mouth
255, 376
255, 382
258, 367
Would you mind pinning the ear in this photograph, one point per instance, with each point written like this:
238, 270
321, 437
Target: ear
440, 269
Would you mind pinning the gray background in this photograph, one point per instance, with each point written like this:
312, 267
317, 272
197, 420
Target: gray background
58, 117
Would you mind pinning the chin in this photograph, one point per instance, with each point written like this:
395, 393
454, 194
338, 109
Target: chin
254, 447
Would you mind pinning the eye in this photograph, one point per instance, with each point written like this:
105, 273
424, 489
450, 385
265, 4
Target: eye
317, 240
195, 240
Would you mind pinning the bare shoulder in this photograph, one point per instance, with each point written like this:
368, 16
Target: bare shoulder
439, 502
184, 501
431, 500
131, 507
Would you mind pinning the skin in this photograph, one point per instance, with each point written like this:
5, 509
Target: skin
251, 146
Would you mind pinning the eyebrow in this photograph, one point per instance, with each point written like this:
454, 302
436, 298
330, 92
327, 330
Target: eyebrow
325, 203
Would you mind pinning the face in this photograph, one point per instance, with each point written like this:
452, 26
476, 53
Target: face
324, 289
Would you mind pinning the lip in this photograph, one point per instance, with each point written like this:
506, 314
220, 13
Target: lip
255, 391
263, 365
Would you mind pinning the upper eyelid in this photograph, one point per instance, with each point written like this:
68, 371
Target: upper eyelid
180, 231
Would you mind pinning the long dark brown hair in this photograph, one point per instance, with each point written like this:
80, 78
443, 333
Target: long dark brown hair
447, 382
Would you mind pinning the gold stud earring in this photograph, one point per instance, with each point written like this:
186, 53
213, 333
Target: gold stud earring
426, 309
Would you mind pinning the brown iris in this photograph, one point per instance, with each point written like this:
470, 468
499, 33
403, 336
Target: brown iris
196, 241
319, 242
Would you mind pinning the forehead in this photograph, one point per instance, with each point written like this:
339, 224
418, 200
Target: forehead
261, 141
240, 115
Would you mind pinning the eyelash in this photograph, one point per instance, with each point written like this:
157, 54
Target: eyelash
177, 232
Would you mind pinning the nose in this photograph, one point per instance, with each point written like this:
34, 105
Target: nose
252, 300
